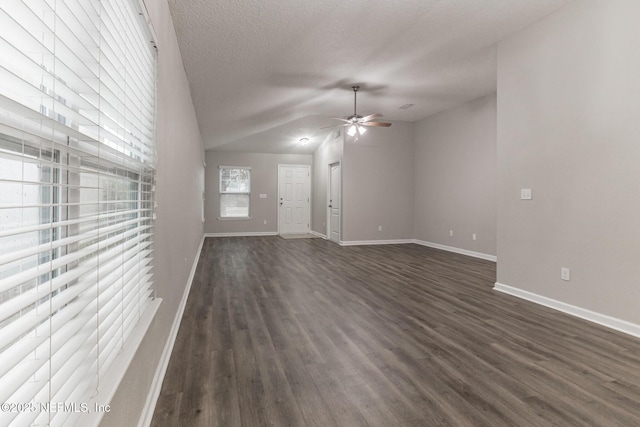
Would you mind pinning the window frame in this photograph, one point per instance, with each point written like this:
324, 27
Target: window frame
223, 192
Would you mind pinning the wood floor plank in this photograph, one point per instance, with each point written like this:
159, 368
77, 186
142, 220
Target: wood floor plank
372, 406
251, 392
432, 397
340, 368
167, 411
314, 409
342, 407
308, 333
224, 390
281, 408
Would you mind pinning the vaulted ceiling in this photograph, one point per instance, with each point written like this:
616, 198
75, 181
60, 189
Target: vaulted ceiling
264, 73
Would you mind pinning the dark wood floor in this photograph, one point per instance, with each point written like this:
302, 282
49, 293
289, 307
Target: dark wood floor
307, 333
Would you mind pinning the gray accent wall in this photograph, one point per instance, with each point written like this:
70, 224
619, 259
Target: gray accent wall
179, 228
329, 152
455, 177
569, 129
264, 180
377, 184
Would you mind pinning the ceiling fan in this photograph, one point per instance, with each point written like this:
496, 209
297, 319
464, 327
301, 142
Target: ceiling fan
357, 123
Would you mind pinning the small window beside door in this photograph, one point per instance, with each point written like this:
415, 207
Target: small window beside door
235, 192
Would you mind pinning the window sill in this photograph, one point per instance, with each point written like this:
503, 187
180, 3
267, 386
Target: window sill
116, 372
235, 218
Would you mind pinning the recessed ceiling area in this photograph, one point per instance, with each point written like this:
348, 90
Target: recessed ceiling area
264, 74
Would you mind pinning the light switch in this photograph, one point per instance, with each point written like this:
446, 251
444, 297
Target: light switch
526, 194
263, 196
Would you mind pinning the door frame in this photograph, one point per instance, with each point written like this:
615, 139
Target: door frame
308, 167
328, 209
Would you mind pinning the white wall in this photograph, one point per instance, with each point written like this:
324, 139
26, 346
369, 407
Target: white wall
179, 228
455, 177
264, 180
569, 128
377, 184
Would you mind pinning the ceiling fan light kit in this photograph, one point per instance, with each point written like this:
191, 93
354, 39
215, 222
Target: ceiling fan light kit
356, 122
353, 130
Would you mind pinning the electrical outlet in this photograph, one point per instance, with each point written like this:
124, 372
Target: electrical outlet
265, 222
379, 228
450, 233
473, 236
565, 273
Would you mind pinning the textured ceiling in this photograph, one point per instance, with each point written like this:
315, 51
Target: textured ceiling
264, 73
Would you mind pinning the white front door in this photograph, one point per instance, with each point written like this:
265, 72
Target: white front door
334, 202
293, 199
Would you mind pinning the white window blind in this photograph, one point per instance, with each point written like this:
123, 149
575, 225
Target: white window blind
77, 106
235, 192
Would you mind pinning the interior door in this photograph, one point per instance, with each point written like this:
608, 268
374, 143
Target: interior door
334, 202
293, 199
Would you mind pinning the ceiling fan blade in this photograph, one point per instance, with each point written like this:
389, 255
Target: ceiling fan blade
383, 124
371, 117
342, 120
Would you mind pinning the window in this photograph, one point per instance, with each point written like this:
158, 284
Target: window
235, 192
77, 167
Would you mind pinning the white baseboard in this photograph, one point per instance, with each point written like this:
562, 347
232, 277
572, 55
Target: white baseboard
375, 242
161, 370
315, 233
601, 319
457, 250
243, 234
